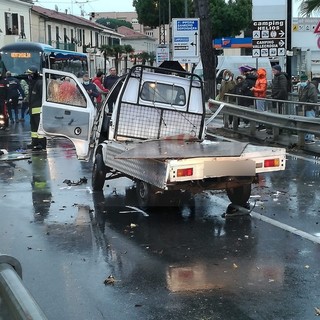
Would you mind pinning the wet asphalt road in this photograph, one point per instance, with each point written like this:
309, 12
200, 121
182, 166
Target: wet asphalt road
167, 263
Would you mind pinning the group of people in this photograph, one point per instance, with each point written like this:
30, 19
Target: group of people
100, 85
30, 93
252, 85
11, 91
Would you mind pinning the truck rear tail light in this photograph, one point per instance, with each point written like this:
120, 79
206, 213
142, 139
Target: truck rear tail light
187, 172
272, 163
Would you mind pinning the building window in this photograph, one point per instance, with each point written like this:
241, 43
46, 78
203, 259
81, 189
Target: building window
11, 23
58, 38
96, 42
49, 34
22, 34
65, 36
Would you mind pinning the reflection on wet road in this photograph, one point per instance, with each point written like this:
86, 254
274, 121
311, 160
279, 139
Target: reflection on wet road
167, 263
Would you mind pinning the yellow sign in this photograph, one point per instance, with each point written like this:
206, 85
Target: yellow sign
295, 27
20, 55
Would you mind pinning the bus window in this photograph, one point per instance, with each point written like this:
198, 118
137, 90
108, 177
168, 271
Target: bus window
19, 62
18, 57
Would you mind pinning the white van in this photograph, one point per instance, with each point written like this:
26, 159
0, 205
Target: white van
233, 63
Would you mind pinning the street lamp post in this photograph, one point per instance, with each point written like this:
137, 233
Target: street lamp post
162, 26
289, 38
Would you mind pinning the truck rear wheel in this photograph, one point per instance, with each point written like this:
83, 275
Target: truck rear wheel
145, 194
239, 195
98, 173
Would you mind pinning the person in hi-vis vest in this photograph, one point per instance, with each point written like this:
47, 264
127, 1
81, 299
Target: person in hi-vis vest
38, 142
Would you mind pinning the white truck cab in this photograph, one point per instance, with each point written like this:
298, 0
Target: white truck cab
154, 136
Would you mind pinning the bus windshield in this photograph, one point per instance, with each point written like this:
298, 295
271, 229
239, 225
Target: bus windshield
18, 57
19, 62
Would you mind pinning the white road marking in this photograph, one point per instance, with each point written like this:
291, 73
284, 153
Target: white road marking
286, 227
273, 222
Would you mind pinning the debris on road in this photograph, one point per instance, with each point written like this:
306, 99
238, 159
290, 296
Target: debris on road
78, 183
110, 280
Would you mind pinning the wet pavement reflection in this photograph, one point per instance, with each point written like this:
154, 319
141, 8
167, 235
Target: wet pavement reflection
184, 262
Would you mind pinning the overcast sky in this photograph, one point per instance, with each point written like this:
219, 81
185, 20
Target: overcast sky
86, 6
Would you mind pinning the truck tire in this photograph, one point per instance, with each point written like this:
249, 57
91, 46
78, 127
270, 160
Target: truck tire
99, 172
239, 195
145, 194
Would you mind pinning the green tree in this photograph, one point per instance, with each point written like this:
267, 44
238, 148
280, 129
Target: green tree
206, 47
134, 57
144, 56
152, 13
152, 58
218, 18
230, 18
107, 51
307, 7
128, 50
118, 50
114, 23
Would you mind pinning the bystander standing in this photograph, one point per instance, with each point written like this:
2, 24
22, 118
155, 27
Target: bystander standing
90, 88
108, 83
279, 90
101, 89
260, 91
14, 92
308, 93
227, 86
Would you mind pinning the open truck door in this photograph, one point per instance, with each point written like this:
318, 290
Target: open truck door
67, 111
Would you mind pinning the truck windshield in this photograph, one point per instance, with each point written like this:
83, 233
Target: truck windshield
163, 93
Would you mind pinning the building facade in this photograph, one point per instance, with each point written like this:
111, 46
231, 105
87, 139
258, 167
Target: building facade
14, 21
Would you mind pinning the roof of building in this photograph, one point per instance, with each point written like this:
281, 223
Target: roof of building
130, 34
71, 19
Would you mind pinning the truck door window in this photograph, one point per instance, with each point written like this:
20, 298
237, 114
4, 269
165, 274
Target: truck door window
64, 91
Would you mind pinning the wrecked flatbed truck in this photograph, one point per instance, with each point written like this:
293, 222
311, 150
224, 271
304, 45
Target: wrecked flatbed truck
154, 136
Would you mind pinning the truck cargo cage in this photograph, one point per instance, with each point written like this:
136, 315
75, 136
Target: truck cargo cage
164, 106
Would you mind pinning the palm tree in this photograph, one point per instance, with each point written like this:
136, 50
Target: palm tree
118, 50
144, 56
107, 52
134, 57
128, 51
308, 6
152, 58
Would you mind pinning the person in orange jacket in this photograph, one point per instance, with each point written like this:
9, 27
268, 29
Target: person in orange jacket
260, 89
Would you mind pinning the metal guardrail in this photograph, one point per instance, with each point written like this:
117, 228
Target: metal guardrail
16, 301
276, 122
289, 107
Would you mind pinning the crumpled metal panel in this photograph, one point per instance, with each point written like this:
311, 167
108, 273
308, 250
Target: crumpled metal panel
148, 170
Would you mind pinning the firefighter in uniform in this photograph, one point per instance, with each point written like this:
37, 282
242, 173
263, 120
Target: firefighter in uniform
38, 142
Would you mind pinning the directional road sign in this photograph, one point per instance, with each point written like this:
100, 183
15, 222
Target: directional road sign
268, 38
162, 54
186, 40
